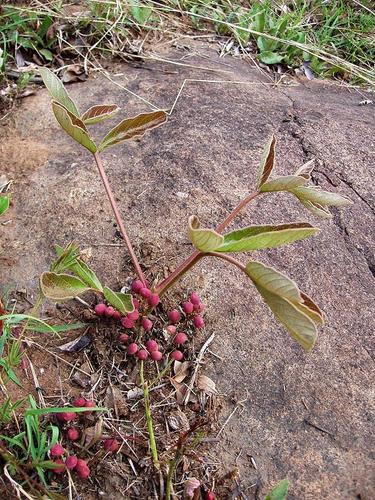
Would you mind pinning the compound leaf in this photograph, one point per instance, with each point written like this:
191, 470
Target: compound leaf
61, 287
205, 240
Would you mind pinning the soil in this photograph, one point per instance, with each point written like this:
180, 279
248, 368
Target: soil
308, 417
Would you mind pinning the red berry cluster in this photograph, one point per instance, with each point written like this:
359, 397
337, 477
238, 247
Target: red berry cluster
71, 462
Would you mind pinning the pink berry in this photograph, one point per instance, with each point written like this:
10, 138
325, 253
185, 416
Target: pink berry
79, 402
154, 299
123, 338
147, 324
194, 298
133, 315
116, 316
80, 463
199, 307
152, 345
174, 316
188, 307
109, 311
177, 355
198, 322
137, 286
132, 348
180, 338
83, 472
66, 416
57, 450
89, 404
171, 329
60, 466
100, 309
127, 322
71, 462
156, 355
210, 495
136, 303
72, 433
145, 292
111, 445
142, 354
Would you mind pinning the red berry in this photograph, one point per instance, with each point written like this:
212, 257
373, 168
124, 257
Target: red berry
174, 316
199, 307
57, 450
116, 316
100, 309
89, 404
147, 324
79, 402
123, 338
210, 495
111, 445
66, 416
127, 322
194, 298
177, 355
80, 464
142, 354
137, 285
198, 322
156, 355
180, 338
145, 292
132, 348
109, 311
188, 307
60, 466
72, 433
83, 472
135, 303
154, 299
151, 345
133, 315
171, 329
71, 461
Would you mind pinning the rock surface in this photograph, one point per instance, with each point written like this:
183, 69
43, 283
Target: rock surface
309, 417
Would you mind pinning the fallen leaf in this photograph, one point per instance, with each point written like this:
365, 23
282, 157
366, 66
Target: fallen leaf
181, 370
115, 399
77, 344
178, 421
135, 393
74, 73
181, 391
206, 385
93, 434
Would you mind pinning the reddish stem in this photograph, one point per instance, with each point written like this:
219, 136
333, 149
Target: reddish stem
118, 218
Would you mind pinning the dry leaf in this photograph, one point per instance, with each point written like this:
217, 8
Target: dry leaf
206, 385
135, 393
181, 391
77, 344
74, 73
93, 434
115, 399
178, 421
181, 370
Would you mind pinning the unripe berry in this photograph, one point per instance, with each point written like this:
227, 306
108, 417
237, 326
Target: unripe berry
137, 286
180, 338
210, 495
133, 315
60, 466
71, 462
83, 472
147, 324
198, 322
171, 329
145, 292
66, 416
72, 433
152, 345
174, 316
111, 445
188, 307
100, 309
194, 298
57, 450
127, 322
177, 355
132, 348
109, 311
79, 402
123, 338
153, 299
142, 354
156, 355
135, 303
116, 316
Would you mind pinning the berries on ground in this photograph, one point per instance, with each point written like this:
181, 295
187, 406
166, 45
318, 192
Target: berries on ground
145, 292
199, 308
132, 348
171, 329
154, 299
57, 450
177, 355
210, 495
156, 355
109, 311
66, 416
111, 445
72, 434
133, 315
180, 338
79, 402
123, 338
80, 464
152, 345
100, 309
147, 324
137, 285
116, 316
71, 462
82, 469
142, 354
198, 322
135, 303
127, 322
194, 298
188, 307
174, 316
60, 466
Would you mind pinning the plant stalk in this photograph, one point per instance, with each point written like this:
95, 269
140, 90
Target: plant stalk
150, 427
118, 218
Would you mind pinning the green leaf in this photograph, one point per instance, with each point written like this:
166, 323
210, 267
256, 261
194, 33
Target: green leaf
121, 301
296, 311
83, 271
73, 126
205, 240
69, 259
268, 57
4, 204
267, 161
65, 257
61, 287
316, 209
285, 183
133, 127
47, 54
68, 327
320, 197
14, 319
57, 90
257, 237
279, 492
45, 411
306, 169
99, 113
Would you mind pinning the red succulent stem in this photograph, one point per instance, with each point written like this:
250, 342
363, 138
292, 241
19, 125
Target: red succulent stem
118, 218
